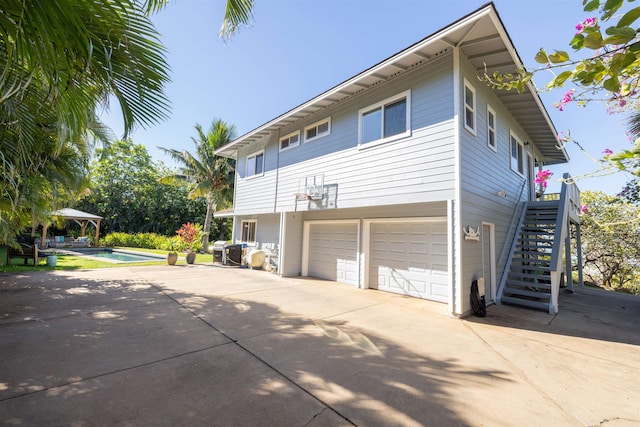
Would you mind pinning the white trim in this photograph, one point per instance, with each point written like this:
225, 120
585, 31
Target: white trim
366, 241
456, 302
288, 136
254, 154
492, 249
315, 125
381, 104
474, 107
493, 129
306, 233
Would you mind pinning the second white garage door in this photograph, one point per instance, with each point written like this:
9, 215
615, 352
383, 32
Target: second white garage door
333, 252
409, 258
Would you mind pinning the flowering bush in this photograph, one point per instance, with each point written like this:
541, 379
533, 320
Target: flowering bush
541, 179
189, 233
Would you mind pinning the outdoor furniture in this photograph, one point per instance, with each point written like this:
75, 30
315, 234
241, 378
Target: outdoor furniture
26, 252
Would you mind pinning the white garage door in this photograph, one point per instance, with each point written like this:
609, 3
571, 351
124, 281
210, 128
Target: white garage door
409, 258
333, 252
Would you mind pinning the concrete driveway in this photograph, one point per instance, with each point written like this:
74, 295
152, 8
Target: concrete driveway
207, 346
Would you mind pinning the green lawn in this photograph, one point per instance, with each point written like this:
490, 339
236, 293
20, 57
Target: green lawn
70, 262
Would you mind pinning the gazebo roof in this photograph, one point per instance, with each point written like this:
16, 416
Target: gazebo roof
68, 213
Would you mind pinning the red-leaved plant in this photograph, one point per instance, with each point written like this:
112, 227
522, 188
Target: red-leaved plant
188, 233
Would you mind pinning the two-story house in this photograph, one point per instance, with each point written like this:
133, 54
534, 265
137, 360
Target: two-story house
412, 177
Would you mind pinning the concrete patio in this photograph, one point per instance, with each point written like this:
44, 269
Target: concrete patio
203, 346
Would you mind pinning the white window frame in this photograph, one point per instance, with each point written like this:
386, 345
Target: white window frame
288, 138
255, 230
316, 125
391, 100
253, 173
492, 130
469, 108
519, 159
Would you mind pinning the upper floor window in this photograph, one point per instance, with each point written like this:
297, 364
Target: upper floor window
255, 164
517, 155
491, 129
317, 130
469, 107
290, 141
386, 120
249, 230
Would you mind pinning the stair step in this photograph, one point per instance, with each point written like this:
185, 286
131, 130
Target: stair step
525, 302
527, 293
533, 252
519, 275
521, 283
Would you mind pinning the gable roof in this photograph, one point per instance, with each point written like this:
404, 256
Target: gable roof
484, 41
68, 213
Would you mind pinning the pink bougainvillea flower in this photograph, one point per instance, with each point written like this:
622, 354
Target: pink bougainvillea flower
607, 152
567, 98
584, 209
587, 23
542, 177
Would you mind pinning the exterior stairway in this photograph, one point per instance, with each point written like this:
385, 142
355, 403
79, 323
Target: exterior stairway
541, 242
528, 280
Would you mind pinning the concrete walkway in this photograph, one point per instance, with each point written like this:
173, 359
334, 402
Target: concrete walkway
207, 346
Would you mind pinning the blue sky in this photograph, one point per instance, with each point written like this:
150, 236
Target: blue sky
297, 49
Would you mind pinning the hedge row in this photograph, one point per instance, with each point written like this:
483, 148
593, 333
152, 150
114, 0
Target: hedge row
148, 241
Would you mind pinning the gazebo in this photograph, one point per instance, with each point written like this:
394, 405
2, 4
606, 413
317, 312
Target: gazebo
80, 217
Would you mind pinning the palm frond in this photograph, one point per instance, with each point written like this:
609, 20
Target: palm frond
237, 13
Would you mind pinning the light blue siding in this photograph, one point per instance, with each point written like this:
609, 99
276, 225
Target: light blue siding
484, 173
419, 168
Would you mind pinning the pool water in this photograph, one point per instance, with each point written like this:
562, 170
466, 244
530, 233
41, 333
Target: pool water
111, 255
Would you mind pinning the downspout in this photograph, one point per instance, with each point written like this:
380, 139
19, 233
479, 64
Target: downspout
455, 299
235, 190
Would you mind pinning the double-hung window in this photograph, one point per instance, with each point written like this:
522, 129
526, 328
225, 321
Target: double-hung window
290, 141
386, 120
517, 155
491, 129
255, 164
317, 130
469, 107
249, 230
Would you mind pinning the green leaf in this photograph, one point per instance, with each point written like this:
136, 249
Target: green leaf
541, 57
612, 84
629, 17
559, 56
560, 79
619, 35
593, 41
590, 6
577, 42
611, 7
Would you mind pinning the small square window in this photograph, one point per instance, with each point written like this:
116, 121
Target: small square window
249, 230
255, 164
385, 120
491, 129
290, 141
317, 130
469, 107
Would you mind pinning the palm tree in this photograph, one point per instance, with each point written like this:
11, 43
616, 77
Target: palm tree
210, 176
61, 61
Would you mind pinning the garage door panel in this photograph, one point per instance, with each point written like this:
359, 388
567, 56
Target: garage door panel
333, 252
410, 259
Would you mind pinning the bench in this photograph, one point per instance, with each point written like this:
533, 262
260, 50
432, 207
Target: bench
26, 252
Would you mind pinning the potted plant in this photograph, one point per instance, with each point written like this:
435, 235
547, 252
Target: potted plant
189, 234
172, 255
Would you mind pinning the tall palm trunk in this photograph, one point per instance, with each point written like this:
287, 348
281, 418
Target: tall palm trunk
211, 207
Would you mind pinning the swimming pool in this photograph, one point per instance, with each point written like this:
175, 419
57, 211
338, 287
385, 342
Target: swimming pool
118, 256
